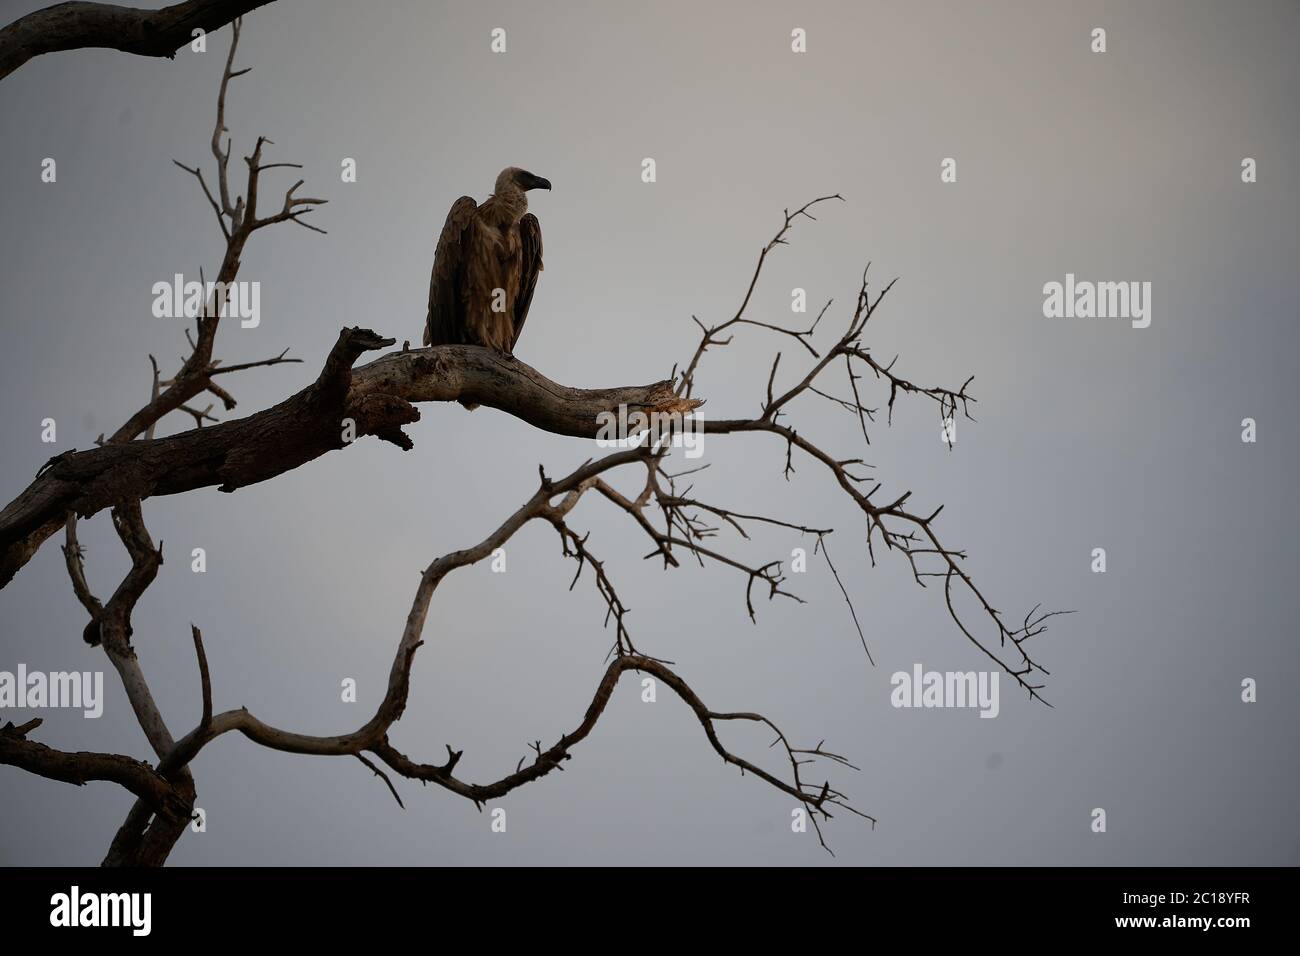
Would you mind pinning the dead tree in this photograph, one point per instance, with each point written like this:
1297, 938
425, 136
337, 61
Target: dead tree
380, 398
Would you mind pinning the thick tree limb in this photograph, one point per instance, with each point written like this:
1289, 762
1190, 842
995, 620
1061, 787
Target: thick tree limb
74, 26
82, 767
378, 398
153, 825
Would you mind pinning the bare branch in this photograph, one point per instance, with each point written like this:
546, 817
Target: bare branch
711, 333
204, 677
238, 220
382, 776
82, 767
817, 798
73, 26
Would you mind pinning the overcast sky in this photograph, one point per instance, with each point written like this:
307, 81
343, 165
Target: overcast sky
1115, 166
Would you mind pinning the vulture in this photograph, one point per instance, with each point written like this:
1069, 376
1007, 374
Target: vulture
486, 265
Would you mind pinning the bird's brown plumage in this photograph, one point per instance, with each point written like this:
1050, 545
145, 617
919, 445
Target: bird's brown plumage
483, 249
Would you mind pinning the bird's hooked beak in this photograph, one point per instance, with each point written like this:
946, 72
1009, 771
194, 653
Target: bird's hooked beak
534, 182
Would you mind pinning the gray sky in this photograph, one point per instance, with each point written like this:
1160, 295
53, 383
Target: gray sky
1115, 166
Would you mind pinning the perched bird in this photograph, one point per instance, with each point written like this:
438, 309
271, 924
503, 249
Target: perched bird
486, 266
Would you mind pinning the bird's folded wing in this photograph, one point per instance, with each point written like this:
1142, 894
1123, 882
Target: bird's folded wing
530, 239
445, 323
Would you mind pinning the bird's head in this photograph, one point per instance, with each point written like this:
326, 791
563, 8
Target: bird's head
514, 179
